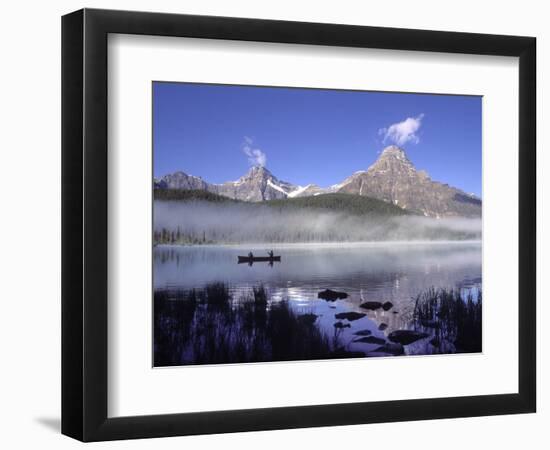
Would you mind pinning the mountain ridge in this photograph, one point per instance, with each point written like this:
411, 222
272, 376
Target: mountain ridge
392, 178
258, 184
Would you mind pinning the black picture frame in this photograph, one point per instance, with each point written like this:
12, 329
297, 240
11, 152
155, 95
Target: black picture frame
84, 224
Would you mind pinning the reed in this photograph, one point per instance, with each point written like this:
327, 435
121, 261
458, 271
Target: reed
455, 317
209, 326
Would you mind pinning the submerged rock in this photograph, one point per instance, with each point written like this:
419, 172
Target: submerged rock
331, 296
387, 306
371, 305
363, 333
351, 315
391, 349
382, 326
341, 325
371, 340
406, 337
307, 319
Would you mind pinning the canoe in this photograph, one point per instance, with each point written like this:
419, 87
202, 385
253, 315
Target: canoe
245, 259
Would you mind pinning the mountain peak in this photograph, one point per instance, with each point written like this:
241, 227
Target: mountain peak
393, 159
257, 172
394, 151
258, 169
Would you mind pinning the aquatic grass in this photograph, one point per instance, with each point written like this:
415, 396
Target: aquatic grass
452, 315
291, 337
172, 320
217, 296
208, 326
260, 295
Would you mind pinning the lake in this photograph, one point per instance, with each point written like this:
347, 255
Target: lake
367, 272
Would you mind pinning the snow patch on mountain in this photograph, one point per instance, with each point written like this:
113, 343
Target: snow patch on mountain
298, 192
277, 188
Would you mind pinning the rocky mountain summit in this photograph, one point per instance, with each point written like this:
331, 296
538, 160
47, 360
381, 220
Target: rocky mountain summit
257, 185
392, 178
180, 180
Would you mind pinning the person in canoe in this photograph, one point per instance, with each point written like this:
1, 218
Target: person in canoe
270, 253
250, 255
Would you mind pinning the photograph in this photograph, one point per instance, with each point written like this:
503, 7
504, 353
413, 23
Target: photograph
265, 225
307, 224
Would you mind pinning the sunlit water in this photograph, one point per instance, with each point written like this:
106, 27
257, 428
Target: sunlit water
395, 272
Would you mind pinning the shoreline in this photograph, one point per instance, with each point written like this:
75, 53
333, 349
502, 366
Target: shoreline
262, 245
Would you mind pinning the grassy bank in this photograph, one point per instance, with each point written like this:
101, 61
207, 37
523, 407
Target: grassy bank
453, 317
209, 326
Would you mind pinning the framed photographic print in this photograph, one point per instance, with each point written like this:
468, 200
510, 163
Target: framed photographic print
273, 224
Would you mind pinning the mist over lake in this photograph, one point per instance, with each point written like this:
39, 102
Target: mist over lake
230, 223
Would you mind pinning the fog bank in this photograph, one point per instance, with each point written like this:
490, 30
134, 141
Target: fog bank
206, 222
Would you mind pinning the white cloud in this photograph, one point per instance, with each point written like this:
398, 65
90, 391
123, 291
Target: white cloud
255, 156
402, 132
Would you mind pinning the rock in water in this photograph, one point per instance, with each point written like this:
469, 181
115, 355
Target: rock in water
382, 326
371, 340
363, 333
387, 306
331, 295
406, 337
371, 305
351, 315
307, 319
340, 325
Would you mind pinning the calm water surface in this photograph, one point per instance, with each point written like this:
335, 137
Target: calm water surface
395, 272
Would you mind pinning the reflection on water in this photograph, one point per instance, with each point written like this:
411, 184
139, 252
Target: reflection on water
394, 272
381, 272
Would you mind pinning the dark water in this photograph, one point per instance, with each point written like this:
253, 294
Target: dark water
366, 272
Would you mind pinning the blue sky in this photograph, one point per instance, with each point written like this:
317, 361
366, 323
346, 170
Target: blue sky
312, 136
